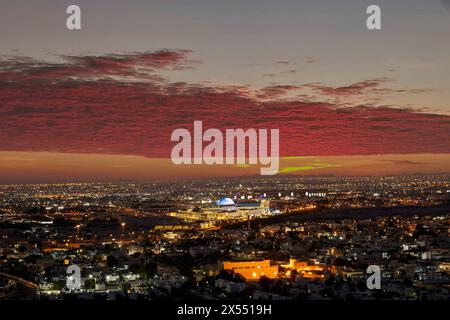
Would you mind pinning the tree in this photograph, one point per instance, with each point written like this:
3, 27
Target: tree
89, 284
230, 276
293, 275
265, 283
330, 281
111, 261
151, 268
185, 263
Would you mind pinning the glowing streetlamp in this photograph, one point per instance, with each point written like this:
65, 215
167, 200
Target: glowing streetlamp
123, 228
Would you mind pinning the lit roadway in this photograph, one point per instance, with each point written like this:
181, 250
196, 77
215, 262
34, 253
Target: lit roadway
24, 282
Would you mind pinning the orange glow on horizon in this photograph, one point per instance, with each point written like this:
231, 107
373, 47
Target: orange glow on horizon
43, 167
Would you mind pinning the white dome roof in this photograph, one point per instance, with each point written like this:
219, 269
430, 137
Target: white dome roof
225, 202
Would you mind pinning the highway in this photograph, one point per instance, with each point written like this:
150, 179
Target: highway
21, 281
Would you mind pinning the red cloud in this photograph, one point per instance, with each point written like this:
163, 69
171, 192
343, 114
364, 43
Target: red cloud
275, 91
366, 87
353, 89
60, 108
138, 65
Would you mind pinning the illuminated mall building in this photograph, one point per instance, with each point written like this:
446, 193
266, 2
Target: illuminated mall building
225, 209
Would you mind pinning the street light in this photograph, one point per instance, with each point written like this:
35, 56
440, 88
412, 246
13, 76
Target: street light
123, 228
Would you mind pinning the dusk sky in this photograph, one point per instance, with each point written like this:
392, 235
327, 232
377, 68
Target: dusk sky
100, 103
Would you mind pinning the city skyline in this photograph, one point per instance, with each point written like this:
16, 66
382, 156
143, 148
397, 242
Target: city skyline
247, 239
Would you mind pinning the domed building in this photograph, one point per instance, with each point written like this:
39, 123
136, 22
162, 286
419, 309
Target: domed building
226, 204
225, 209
